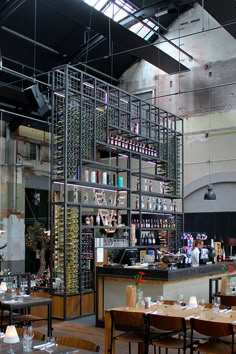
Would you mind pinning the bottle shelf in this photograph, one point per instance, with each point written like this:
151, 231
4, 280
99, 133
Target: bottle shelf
155, 229
134, 154
152, 212
101, 227
157, 195
103, 166
154, 177
100, 187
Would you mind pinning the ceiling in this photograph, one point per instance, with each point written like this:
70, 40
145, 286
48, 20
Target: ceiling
38, 35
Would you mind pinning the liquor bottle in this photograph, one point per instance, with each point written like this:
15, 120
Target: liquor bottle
138, 184
91, 220
164, 205
119, 218
87, 220
86, 199
212, 251
145, 187
149, 203
150, 186
98, 221
142, 202
223, 254
137, 203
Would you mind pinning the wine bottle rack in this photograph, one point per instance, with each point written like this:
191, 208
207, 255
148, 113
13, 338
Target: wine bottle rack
105, 142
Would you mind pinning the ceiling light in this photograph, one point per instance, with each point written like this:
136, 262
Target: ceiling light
210, 194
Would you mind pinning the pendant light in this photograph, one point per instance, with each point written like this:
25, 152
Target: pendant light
210, 194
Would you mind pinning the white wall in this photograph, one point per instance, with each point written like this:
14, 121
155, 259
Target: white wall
204, 97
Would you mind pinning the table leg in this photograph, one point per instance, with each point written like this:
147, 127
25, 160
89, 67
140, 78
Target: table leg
49, 320
108, 333
10, 316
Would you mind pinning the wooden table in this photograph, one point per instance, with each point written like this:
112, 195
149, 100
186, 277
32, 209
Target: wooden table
18, 348
27, 303
168, 310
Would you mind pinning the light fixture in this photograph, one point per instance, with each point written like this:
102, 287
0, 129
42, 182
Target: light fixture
210, 194
11, 337
3, 287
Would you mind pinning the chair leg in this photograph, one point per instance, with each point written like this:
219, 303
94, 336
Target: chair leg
129, 348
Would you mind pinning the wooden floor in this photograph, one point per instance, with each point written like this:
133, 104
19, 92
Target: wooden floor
92, 333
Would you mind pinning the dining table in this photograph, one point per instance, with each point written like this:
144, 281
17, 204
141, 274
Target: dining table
187, 312
59, 349
25, 303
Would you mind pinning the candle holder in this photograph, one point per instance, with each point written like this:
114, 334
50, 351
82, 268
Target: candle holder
11, 337
192, 301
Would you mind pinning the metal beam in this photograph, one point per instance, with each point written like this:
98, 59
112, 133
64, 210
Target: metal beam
28, 39
130, 42
10, 7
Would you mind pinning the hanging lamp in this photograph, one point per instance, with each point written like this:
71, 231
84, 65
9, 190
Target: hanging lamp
210, 194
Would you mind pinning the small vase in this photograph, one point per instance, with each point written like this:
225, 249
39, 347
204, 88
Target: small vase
139, 297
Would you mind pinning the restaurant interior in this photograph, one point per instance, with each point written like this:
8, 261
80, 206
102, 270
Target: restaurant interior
117, 176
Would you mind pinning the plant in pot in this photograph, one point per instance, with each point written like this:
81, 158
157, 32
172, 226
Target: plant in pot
38, 239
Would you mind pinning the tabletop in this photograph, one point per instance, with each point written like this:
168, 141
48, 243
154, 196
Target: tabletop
60, 349
25, 301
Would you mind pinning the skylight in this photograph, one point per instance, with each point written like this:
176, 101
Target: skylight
118, 10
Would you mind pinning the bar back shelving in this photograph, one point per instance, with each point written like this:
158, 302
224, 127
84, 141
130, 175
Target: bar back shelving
116, 162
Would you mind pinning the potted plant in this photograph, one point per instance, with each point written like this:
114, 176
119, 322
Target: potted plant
38, 239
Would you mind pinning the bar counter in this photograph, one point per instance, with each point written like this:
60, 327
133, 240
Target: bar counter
112, 281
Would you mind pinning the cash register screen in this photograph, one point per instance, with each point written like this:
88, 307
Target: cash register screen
127, 254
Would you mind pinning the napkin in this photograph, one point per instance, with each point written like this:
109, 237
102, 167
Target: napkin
43, 346
192, 316
9, 301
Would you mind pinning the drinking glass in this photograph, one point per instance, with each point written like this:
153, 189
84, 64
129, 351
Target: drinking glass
28, 332
232, 286
160, 300
50, 344
201, 305
27, 340
181, 299
216, 304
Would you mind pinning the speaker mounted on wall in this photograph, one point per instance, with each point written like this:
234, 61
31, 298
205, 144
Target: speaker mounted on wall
38, 101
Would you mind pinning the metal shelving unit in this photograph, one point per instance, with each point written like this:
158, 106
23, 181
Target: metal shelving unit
103, 139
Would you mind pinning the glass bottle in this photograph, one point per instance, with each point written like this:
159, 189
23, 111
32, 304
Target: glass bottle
150, 186
149, 204
86, 199
137, 203
142, 202
164, 205
145, 187
98, 221
138, 184
87, 220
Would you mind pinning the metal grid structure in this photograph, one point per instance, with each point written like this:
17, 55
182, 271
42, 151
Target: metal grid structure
92, 120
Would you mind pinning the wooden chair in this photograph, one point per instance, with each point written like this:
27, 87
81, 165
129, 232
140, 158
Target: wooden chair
228, 300
177, 325
133, 326
215, 331
78, 343
37, 334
